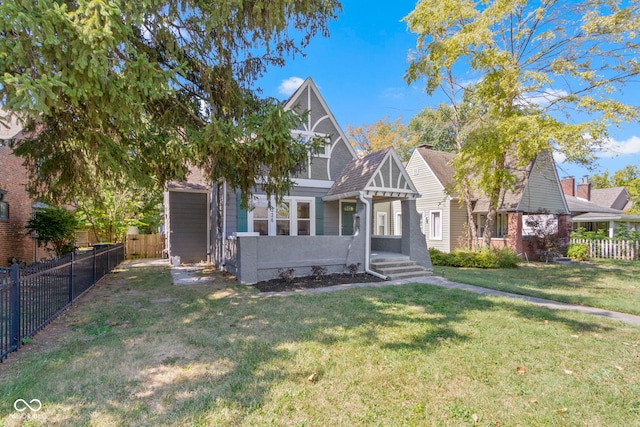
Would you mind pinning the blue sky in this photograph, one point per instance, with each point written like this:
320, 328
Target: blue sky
360, 72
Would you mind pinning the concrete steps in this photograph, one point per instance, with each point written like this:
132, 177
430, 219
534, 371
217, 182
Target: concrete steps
399, 267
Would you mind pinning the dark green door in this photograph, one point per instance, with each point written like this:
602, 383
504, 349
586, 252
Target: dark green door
348, 211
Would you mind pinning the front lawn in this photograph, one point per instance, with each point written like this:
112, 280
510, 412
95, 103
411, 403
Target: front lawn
609, 284
141, 351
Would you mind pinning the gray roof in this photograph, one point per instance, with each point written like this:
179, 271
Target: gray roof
196, 181
609, 196
509, 198
580, 206
358, 174
440, 163
595, 217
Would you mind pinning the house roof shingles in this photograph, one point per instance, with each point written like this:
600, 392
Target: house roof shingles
358, 174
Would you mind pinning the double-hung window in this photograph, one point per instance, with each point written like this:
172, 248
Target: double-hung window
435, 225
292, 217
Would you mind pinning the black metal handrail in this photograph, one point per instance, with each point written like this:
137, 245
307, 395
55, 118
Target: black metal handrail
32, 297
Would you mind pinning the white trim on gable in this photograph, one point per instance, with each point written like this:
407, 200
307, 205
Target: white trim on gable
416, 153
309, 83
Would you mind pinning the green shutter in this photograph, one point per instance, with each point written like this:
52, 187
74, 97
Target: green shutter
242, 216
319, 216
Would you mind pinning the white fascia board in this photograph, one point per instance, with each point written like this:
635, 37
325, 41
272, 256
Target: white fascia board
313, 183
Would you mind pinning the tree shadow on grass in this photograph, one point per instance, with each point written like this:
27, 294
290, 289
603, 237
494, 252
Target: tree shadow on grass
233, 351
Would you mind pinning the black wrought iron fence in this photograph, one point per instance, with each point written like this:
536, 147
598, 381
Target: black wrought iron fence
31, 297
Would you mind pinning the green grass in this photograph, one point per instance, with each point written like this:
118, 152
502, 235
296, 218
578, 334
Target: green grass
140, 351
609, 284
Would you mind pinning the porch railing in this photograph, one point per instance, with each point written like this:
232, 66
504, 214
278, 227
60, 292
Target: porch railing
31, 297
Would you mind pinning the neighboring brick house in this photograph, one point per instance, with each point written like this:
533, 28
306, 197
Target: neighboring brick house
16, 206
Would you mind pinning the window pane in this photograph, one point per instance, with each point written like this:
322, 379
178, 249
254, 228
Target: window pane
304, 227
304, 210
436, 225
282, 227
4, 210
282, 212
260, 209
261, 226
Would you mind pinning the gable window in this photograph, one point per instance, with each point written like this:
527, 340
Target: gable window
4, 206
306, 136
292, 217
435, 225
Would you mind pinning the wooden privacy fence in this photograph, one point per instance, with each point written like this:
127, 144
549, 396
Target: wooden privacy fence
144, 246
612, 249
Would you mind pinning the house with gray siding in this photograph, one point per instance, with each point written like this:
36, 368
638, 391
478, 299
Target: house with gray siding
536, 192
326, 220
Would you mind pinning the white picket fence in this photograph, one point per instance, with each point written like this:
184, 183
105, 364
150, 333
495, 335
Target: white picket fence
611, 249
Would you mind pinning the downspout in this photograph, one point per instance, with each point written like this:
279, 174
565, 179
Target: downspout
367, 238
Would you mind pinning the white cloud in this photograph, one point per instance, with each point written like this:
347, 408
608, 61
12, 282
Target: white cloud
613, 148
543, 97
394, 92
559, 157
288, 86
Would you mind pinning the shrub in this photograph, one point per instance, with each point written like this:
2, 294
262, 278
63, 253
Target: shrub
286, 274
485, 258
353, 268
578, 251
318, 271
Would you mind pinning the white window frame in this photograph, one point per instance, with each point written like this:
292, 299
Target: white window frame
398, 224
307, 135
293, 215
381, 217
433, 233
423, 222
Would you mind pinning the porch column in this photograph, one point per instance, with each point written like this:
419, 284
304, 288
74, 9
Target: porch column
514, 231
612, 229
413, 243
356, 251
564, 227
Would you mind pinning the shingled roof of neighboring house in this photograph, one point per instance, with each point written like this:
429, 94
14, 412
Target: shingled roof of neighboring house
440, 163
358, 174
579, 206
609, 196
196, 181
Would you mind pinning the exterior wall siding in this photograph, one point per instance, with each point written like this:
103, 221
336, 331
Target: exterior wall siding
188, 212
459, 223
543, 192
432, 198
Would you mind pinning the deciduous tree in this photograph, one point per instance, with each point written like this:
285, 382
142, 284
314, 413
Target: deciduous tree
628, 177
381, 134
545, 74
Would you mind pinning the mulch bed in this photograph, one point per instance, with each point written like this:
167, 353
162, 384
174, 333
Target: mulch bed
310, 282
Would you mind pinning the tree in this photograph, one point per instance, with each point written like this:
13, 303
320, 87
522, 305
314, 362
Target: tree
112, 210
381, 134
542, 74
55, 227
628, 177
135, 89
434, 127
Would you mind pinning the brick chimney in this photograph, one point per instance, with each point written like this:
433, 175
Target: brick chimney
568, 186
583, 189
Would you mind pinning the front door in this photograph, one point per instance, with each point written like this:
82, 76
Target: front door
348, 211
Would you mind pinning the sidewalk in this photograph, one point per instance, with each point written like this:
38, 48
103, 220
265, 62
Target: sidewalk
445, 283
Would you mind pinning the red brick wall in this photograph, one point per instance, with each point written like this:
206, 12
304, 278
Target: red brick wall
13, 239
569, 186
